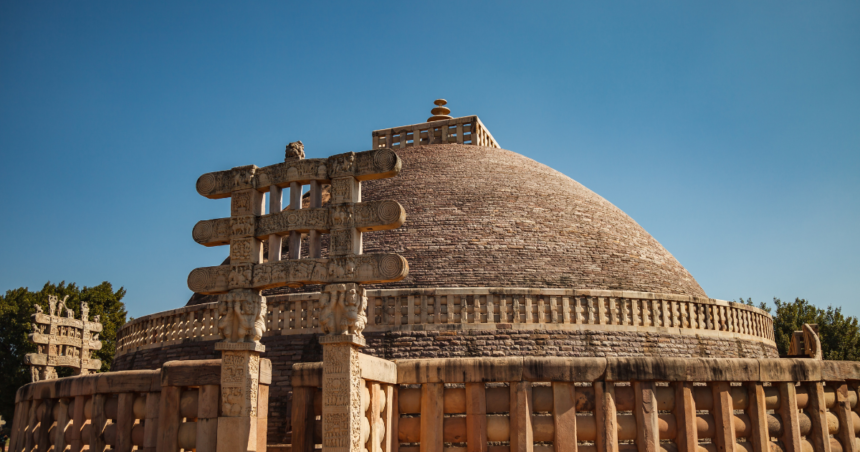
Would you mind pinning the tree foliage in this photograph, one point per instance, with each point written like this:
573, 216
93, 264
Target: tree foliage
839, 335
17, 306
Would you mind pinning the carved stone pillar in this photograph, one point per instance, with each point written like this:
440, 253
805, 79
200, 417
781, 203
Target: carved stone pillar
345, 426
240, 372
241, 325
343, 408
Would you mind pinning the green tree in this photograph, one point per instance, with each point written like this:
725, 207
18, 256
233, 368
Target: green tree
839, 335
17, 306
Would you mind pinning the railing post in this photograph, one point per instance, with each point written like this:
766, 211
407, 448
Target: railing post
207, 418
32, 420
78, 420
687, 438
99, 421
760, 437
605, 414
788, 413
168, 419
432, 395
150, 426
522, 439
375, 410
303, 419
564, 416
846, 419
391, 417
45, 424
724, 416
476, 417
262, 415
124, 422
817, 411
645, 411
18, 426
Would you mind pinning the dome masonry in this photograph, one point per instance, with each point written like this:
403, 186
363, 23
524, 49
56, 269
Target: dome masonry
488, 217
482, 216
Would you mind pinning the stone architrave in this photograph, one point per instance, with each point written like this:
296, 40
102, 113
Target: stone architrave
63, 341
346, 218
242, 308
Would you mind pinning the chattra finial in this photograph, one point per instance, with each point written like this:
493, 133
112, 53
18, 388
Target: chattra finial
440, 112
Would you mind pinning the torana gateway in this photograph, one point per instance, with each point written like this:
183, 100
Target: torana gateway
437, 293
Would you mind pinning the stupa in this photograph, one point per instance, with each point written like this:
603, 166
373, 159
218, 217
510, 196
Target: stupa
507, 257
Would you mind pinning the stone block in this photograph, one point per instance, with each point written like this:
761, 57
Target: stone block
563, 369
237, 434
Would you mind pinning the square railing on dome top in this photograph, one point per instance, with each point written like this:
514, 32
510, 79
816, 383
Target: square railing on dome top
466, 130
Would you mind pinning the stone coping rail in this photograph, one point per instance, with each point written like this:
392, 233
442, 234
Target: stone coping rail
475, 308
584, 370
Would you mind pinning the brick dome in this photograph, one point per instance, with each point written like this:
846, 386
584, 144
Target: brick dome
488, 217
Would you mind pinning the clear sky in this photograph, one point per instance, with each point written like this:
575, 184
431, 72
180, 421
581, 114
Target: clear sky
728, 130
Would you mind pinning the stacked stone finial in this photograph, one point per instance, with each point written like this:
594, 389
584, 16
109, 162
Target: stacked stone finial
63, 341
440, 111
242, 308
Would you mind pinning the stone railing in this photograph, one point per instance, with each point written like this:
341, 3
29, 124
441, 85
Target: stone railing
452, 308
464, 130
521, 404
164, 410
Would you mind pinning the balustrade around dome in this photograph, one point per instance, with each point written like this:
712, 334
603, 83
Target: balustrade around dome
476, 308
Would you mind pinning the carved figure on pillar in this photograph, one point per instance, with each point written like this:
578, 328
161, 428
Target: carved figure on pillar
343, 309
243, 314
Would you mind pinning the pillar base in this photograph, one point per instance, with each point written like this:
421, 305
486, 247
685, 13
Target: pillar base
237, 434
351, 339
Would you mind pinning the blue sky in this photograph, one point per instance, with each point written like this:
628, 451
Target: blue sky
729, 131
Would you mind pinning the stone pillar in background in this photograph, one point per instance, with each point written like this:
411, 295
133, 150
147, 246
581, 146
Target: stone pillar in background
63, 341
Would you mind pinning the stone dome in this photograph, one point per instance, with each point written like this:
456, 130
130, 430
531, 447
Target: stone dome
488, 217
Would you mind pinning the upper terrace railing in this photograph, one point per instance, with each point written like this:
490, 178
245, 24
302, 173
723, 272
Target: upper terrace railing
163, 410
464, 130
404, 309
530, 404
